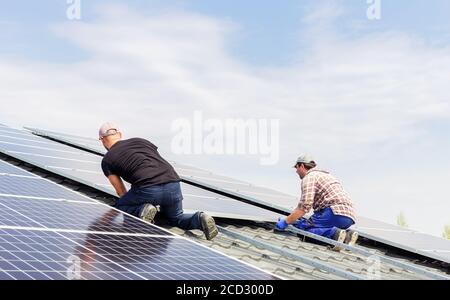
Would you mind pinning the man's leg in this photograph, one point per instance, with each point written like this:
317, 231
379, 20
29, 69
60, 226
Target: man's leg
309, 226
324, 223
173, 210
147, 198
129, 203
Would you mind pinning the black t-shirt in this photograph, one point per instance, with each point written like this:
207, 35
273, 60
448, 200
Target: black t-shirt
138, 162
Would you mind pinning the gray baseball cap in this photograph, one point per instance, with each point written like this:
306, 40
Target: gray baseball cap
107, 129
304, 159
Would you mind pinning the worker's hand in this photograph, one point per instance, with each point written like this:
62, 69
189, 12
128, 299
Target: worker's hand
281, 224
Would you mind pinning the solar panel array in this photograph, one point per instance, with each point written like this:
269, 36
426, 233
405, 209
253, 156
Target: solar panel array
423, 244
63, 235
85, 168
193, 175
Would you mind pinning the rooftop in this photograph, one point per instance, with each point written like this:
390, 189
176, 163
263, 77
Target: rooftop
279, 263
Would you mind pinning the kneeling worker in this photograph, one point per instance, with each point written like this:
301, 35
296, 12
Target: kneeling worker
333, 209
153, 182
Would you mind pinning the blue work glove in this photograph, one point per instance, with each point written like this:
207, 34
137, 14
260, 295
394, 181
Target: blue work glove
281, 224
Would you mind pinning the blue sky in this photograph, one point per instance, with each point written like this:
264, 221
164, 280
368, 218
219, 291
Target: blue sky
368, 98
268, 33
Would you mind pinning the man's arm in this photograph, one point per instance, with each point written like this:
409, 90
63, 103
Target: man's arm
118, 185
306, 200
305, 205
295, 215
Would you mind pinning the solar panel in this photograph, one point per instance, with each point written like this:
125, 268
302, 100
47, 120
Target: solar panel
29, 186
85, 168
44, 238
12, 136
31, 254
222, 206
365, 223
403, 238
9, 169
12, 219
63, 153
437, 248
25, 140
41, 255
90, 144
53, 159
74, 216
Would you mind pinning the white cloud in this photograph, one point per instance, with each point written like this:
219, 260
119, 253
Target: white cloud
346, 101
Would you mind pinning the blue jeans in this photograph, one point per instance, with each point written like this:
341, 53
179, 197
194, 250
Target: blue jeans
324, 223
168, 196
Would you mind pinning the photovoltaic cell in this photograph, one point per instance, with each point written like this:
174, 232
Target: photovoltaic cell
34, 186
67, 161
365, 224
76, 216
54, 239
12, 132
422, 242
41, 255
168, 258
247, 192
13, 219
13, 170
27, 254
25, 140
410, 240
44, 151
222, 206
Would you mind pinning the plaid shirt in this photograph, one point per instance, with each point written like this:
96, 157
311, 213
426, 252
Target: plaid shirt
321, 190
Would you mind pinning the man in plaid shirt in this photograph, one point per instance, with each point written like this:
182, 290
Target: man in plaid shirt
333, 209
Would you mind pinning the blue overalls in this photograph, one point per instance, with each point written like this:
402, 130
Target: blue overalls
324, 223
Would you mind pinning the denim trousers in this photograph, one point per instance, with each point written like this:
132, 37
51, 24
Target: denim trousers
170, 200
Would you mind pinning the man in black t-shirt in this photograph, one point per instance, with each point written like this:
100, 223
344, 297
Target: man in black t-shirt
153, 180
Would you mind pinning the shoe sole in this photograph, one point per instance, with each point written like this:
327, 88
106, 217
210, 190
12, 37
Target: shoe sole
209, 228
341, 239
149, 214
354, 239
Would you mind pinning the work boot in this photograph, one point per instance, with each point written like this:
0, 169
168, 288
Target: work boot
208, 226
339, 236
351, 238
148, 213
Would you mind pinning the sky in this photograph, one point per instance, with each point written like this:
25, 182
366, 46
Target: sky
367, 98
